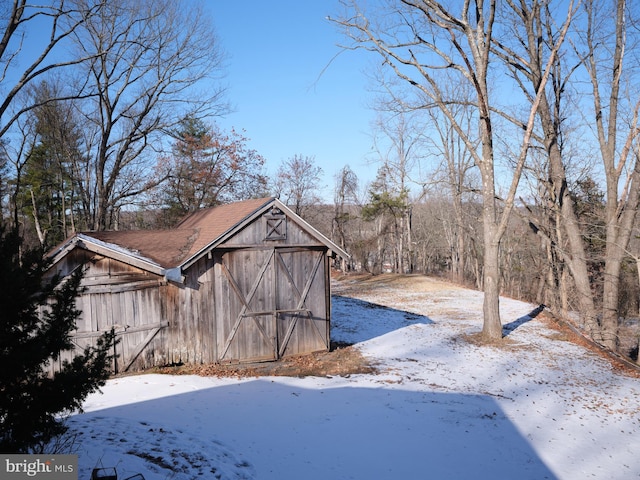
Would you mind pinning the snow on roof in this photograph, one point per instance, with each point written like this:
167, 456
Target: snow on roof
116, 248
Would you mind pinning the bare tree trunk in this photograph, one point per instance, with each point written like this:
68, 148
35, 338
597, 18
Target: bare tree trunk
410, 254
492, 326
608, 335
345, 193
459, 269
36, 220
576, 260
63, 207
621, 204
400, 241
380, 244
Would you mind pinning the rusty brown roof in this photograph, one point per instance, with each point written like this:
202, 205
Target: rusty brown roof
170, 248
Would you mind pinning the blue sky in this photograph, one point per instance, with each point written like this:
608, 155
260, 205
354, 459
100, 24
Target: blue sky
287, 93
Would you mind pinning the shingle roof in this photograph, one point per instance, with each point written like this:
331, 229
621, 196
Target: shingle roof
213, 222
170, 248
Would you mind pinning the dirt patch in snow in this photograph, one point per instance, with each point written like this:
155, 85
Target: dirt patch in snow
404, 283
339, 361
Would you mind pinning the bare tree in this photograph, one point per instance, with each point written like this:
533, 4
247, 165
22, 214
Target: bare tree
345, 205
43, 174
454, 166
617, 131
533, 21
420, 39
18, 67
297, 183
24, 139
21, 67
400, 147
150, 60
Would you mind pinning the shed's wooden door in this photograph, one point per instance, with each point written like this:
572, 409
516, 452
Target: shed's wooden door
302, 301
270, 303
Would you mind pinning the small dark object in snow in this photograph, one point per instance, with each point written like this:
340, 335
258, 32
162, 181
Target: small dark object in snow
104, 474
111, 474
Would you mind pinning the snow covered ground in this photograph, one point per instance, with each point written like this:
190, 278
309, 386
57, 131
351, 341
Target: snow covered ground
440, 408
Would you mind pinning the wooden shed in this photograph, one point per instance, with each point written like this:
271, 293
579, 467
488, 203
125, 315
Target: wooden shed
247, 281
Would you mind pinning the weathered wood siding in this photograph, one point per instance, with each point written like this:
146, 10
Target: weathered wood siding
190, 310
124, 298
302, 285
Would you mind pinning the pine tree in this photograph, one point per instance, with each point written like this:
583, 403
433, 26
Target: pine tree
37, 317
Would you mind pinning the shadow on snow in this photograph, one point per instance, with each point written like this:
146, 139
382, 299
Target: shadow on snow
372, 320
511, 326
288, 431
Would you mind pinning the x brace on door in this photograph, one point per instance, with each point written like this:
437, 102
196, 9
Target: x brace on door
245, 304
301, 303
278, 347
